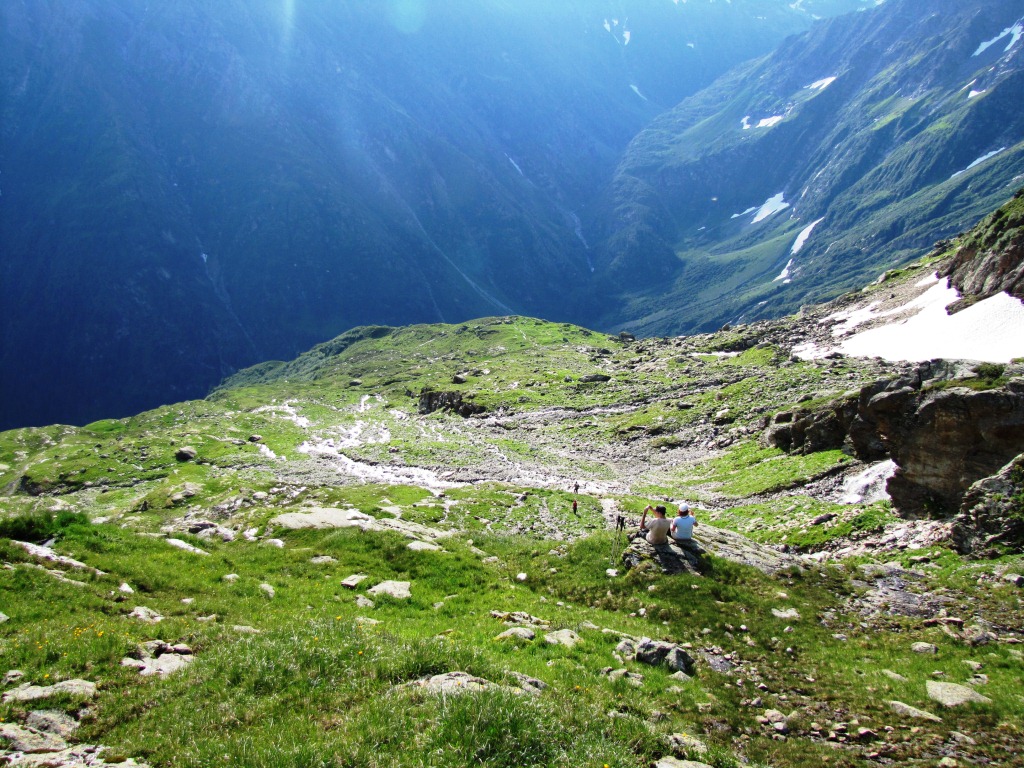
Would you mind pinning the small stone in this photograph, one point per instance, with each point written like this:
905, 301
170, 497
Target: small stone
894, 675
1014, 578
521, 577
400, 590
244, 629
79, 689
353, 581
148, 615
278, 543
908, 711
29, 741
13, 676
184, 546
268, 590
675, 762
125, 589
230, 578
953, 695
565, 637
517, 633
52, 721
684, 742
322, 560
186, 453
924, 648
364, 602
423, 546
788, 613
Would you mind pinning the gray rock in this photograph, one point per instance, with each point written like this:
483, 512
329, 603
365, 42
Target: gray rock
632, 678
894, 676
517, 633
565, 637
184, 546
186, 453
908, 711
658, 652
529, 684
322, 560
30, 741
924, 648
268, 590
423, 546
52, 721
458, 683
364, 602
1014, 578
787, 613
953, 695
353, 581
400, 590
675, 762
684, 742
4, 617
148, 615
79, 689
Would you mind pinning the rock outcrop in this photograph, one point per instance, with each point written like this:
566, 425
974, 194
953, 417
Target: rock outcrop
991, 517
992, 259
728, 545
433, 400
943, 438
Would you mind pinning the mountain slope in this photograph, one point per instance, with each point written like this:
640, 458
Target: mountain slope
191, 188
314, 564
851, 148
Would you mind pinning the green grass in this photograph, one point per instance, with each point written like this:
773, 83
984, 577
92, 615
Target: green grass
749, 469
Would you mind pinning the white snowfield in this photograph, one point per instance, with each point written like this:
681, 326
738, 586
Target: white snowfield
989, 331
1014, 33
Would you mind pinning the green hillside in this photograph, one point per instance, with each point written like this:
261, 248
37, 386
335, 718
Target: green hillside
291, 668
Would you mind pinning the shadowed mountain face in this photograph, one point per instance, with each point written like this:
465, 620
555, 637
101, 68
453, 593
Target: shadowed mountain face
189, 188
791, 179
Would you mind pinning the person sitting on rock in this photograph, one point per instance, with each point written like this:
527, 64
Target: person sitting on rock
682, 527
657, 530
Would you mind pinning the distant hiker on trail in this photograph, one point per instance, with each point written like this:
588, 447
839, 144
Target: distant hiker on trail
574, 507
657, 530
576, 487
682, 525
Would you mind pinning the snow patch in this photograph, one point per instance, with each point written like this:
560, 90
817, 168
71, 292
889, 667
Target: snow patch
1014, 33
868, 486
766, 122
801, 239
287, 411
972, 94
979, 161
820, 85
991, 330
770, 207
516, 166
784, 274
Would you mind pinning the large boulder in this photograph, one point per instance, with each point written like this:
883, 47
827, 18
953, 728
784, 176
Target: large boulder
728, 545
945, 440
991, 518
432, 400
